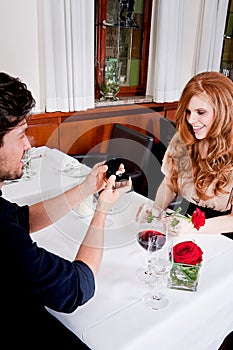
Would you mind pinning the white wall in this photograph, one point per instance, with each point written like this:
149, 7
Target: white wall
19, 55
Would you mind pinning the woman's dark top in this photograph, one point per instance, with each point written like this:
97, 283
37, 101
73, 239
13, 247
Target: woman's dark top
32, 278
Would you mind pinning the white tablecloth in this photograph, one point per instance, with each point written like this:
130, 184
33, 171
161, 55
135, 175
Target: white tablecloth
46, 181
115, 318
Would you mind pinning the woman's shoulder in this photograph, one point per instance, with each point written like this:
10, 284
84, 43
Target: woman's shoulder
177, 154
177, 147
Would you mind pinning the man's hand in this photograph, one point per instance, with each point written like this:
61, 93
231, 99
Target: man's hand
113, 191
96, 180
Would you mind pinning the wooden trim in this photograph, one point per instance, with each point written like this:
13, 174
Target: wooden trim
59, 116
101, 13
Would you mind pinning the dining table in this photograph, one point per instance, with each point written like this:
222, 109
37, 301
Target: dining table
116, 317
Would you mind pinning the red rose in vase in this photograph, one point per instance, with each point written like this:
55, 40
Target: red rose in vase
198, 218
187, 253
187, 263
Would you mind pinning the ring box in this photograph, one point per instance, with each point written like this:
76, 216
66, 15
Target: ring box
113, 169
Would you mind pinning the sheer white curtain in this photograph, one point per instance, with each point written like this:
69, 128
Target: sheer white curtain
163, 80
69, 54
211, 27
168, 44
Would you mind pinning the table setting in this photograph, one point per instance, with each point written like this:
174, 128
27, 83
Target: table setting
117, 317
52, 173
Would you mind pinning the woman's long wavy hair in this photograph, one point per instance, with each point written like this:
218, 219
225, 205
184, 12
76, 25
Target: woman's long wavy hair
218, 165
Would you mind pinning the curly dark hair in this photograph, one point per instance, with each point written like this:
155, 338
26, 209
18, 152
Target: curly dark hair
16, 102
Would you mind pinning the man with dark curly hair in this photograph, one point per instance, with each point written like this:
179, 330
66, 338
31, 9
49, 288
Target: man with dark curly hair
32, 277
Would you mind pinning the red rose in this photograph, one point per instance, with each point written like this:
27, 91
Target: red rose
198, 218
187, 253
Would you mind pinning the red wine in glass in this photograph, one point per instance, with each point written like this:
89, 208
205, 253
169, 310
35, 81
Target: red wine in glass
155, 238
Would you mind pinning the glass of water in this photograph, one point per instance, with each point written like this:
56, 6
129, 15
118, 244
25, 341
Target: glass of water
27, 169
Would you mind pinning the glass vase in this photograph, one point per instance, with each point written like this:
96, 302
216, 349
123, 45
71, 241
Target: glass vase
184, 277
109, 79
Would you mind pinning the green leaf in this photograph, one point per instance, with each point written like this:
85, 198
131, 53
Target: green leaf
149, 218
178, 210
174, 222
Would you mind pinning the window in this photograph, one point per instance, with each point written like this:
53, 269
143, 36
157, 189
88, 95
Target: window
122, 40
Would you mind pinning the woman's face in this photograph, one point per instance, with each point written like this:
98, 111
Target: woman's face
200, 115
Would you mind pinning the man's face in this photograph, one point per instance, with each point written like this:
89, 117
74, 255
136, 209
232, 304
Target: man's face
15, 142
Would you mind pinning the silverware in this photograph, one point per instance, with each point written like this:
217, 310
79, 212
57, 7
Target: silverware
69, 168
8, 182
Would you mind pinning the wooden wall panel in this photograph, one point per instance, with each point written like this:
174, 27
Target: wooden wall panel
85, 131
45, 134
91, 135
44, 128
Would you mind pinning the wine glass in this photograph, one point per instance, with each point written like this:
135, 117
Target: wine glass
27, 171
151, 235
161, 264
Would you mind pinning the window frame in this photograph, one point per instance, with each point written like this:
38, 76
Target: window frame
101, 7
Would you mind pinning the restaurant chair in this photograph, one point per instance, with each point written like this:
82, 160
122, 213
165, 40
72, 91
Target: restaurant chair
133, 147
167, 131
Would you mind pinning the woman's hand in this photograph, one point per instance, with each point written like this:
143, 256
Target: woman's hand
183, 227
139, 211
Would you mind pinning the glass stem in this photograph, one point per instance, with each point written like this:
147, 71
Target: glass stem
149, 255
148, 262
156, 295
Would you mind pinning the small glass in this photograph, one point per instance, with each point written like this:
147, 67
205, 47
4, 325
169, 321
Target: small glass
161, 266
85, 208
27, 169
